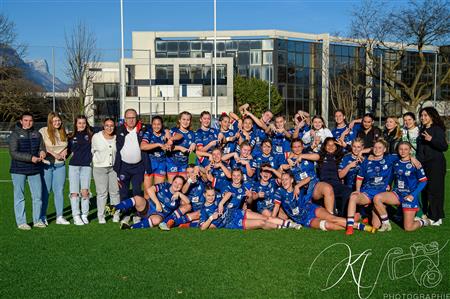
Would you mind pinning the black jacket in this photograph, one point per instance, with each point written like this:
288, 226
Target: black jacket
433, 150
23, 145
120, 141
371, 137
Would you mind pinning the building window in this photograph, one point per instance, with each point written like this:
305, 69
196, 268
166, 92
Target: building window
255, 57
267, 57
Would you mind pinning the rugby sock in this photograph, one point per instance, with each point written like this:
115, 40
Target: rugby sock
423, 222
125, 204
384, 219
144, 223
181, 220
350, 221
175, 215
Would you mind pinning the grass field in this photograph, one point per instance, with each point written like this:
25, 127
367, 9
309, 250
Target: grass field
102, 261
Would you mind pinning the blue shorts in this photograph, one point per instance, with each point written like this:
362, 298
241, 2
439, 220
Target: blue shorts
370, 193
175, 166
151, 210
311, 187
308, 214
158, 166
406, 204
236, 220
262, 205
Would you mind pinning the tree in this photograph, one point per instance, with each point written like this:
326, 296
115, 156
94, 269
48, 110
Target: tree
256, 93
17, 94
401, 35
82, 57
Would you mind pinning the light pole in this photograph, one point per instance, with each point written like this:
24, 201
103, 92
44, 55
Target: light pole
122, 66
435, 78
215, 60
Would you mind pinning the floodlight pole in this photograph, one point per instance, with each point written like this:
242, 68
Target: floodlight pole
215, 59
122, 66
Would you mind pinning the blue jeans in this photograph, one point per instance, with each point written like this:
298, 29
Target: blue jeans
34, 182
54, 179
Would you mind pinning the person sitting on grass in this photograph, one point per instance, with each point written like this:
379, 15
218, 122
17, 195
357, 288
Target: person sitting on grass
164, 200
409, 181
301, 210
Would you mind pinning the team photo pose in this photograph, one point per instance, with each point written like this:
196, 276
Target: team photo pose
164, 199
409, 181
243, 160
264, 189
301, 210
350, 164
317, 134
183, 145
80, 172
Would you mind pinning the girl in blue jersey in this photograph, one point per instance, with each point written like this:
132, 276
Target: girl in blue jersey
301, 210
229, 132
264, 189
218, 173
177, 159
209, 216
154, 143
164, 200
266, 156
350, 164
280, 137
373, 177
306, 177
243, 161
237, 216
409, 181
206, 138
345, 132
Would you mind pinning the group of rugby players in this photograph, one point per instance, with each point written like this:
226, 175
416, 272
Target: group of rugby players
252, 173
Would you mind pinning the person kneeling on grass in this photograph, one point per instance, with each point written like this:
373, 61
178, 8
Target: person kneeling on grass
301, 210
409, 181
165, 199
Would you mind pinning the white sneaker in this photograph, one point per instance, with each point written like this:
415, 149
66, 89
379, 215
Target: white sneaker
62, 220
385, 227
45, 222
24, 226
426, 222
136, 219
85, 219
436, 223
77, 221
116, 217
163, 226
126, 220
40, 224
101, 220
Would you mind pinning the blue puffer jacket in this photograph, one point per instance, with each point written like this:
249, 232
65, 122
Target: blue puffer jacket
23, 145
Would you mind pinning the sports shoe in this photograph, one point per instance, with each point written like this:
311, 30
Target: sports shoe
45, 222
170, 223
136, 219
125, 219
349, 230
370, 229
385, 227
101, 220
110, 209
426, 222
62, 220
24, 226
436, 223
116, 217
77, 221
40, 224
124, 225
295, 225
85, 219
163, 226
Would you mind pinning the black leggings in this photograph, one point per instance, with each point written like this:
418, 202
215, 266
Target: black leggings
434, 192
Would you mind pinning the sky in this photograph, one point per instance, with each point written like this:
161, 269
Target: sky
42, 24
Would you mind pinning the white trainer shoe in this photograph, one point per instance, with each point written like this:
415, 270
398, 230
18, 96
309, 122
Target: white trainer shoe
24, 226
77, 221
385, 227
126, 220
101, 220
436, 223
85, 219
116, 217
62, 220
40, 224
136, 219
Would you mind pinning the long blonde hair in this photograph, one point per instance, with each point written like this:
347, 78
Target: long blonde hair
398, 130
51, 130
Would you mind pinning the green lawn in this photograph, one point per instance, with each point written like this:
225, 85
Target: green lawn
103, 261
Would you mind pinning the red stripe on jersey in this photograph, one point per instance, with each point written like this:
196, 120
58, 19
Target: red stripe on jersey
359, 178
144, 141
424, 179
277, 202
